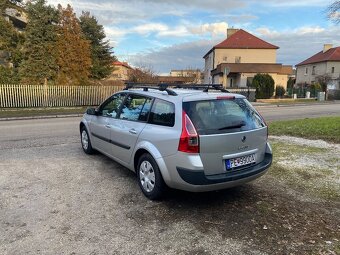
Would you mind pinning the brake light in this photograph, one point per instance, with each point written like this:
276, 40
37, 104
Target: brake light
225, 97
189, 140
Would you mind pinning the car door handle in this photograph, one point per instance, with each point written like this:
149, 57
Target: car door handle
133, 131
107, 126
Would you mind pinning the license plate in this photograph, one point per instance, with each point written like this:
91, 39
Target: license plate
240, 161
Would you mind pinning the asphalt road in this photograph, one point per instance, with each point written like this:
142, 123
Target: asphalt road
54, 199
274, 112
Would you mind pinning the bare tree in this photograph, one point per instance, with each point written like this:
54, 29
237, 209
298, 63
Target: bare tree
333, 12
142, 75
324, 80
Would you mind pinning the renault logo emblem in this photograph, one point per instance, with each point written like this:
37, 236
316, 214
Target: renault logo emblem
243, 139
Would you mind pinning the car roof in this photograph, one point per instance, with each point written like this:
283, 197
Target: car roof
184, 94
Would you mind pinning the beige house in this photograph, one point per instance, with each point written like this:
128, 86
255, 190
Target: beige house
195, 74
120, 71
325, 62
235, 61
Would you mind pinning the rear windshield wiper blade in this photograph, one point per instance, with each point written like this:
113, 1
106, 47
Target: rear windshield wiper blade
238, 125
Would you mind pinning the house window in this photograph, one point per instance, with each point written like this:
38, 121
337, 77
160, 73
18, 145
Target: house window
237, 60
313, 70
306, 71
225, 59
333, 69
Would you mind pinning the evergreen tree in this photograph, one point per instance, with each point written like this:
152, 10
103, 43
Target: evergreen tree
74, 55
264, 85
39, 64
101, 52
10, 39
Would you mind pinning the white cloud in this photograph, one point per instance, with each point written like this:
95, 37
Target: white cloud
114, 34
179, 56
211, 28
289, 3
149, 28
177, 31
309, 30
295, 46
298, 44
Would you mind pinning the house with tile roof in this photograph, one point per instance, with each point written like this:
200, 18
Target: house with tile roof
236, 60
120, 71
325, 62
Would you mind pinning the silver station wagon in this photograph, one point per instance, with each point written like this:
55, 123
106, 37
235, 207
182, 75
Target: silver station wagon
190, 137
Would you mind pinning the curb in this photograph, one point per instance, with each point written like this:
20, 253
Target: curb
289, 105
42, 117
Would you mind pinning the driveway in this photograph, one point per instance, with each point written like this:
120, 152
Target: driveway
54, 199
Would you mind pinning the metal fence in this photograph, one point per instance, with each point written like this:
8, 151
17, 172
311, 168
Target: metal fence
17, 96
301, 92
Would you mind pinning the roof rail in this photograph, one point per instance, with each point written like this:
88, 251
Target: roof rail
166, 86
147, 86
204, 87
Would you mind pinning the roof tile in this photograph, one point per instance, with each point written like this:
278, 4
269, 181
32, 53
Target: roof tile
244, 40
332, 54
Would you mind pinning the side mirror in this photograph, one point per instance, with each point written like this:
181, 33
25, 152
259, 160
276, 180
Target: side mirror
91, 111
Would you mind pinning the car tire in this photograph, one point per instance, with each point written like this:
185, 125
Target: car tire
85, 141
149, 177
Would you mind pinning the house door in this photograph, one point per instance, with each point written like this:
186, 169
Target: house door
231, 83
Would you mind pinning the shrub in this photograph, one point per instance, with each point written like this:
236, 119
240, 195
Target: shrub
264, 85
280, 91
8, 75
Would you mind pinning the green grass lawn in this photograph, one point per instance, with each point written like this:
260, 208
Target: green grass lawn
30, 112
288, 101
325, 128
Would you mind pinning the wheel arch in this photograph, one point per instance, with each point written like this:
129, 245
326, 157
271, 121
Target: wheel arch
147, 147
81, 125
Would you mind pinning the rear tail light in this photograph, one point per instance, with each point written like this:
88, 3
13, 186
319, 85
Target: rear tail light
189, 140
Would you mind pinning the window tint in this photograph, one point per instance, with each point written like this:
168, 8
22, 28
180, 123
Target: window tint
111, 107
162, 113
222, 116
135, 108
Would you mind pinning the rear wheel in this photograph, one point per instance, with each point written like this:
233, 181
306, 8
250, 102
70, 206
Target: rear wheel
149, 177
85, 141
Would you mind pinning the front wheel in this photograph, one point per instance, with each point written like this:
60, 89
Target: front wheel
85, 141
149, 177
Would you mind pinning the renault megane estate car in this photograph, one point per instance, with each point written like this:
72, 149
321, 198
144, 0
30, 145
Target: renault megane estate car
193, 138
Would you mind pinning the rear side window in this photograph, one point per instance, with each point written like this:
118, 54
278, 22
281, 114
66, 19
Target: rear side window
135, 108
223, 116
162, 113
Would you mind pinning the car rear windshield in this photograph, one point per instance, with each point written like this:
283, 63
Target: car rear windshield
221, 116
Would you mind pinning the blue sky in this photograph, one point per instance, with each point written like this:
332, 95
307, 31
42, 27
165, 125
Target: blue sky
176, 34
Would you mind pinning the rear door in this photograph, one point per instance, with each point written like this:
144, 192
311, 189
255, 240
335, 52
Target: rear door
232, 135
126, 129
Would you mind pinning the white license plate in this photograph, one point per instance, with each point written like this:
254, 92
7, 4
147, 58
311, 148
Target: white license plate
240, 161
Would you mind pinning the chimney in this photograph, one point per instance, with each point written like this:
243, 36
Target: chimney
326, 47
231, 31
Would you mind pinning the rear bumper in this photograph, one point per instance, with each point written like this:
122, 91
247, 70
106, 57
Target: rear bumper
194, 177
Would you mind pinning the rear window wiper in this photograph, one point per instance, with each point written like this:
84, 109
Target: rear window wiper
237, 125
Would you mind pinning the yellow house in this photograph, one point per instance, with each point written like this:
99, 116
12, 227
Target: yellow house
235, 61
120, 71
